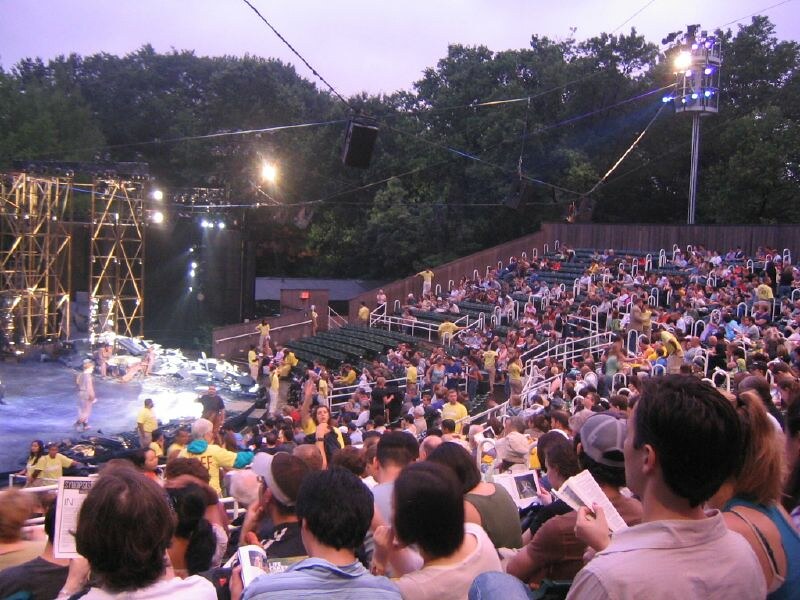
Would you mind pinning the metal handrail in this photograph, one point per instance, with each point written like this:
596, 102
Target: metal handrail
244, 335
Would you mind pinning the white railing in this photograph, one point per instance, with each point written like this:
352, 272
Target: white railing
348, 390
376, 314
335, 320
272, 329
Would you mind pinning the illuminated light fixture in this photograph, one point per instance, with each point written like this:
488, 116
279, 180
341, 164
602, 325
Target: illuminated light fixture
688, 73
666, 99
707, 94
191, 273
158, 195
269, 172
190, 288
221, 225
708, 71
683, 61
683, 100
694, 96
157, 216
194, 265
206, 224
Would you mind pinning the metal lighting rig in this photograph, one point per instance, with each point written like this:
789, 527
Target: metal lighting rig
697, 65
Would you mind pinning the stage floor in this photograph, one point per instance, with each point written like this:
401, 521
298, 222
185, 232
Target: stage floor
41, 403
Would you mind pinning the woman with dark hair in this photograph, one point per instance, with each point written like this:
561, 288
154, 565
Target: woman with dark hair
316, 425
750, 500
429, 512
485, 504
125, 526
37, 452
194, 542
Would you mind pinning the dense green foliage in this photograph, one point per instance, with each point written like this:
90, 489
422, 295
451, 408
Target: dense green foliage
325, 219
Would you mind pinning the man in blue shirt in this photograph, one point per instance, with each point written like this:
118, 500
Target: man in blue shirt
335, 510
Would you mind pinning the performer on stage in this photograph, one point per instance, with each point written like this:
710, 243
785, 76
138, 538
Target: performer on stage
86, 397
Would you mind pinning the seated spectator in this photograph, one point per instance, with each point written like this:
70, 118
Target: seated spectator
331, 532
193, 543
395, 450
554, 552
50, 467
791, 496
16, 508
272, 521
560, 463
485, 504
41, 577
684, 440
750, 501
430, 514
125, 526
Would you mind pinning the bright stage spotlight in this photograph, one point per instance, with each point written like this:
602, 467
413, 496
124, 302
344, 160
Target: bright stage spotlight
158, 195
157, 216
683, 61
221, 225
269, 172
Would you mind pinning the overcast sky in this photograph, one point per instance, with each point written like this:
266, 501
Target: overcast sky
358, 45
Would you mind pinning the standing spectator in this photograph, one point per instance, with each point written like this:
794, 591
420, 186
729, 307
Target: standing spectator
37, 452
454, 410
146, 423
427, 280
212, 456
263, 333
253, 362
363, 314
86, 397
331, 532
684, 440
380, 298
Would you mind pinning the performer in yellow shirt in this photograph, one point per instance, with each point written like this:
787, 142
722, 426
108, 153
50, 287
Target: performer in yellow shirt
146, 423
427, 280
454, 409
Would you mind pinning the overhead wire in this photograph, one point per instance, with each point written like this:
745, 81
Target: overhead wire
633, 16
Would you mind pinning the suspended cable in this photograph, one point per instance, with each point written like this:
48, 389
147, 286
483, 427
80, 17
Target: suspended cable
758, 12
298, 55
633, 16
628, 151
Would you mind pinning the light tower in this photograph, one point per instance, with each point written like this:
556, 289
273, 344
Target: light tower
697, 66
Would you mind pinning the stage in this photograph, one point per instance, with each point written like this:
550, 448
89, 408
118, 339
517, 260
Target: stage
41, 403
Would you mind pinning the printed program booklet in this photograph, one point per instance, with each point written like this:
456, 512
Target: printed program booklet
582, 490
254, 562
72, 491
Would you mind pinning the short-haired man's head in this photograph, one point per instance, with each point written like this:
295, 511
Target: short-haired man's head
396, 448
186, 466
455, 457
339, 525
448, 426
148, 402
351, 458
201, 428
309, 454
123, 553
694, 432
429, 508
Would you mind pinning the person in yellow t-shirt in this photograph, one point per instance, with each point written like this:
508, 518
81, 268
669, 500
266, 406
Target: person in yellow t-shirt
157, 445
348, 377
454, 409
448, 327
490, 364
211, 456
263, 333
146, 423
515, 374
253, 362
50, 467
427, 280
179, 442
323, 389
363, 314
412, 377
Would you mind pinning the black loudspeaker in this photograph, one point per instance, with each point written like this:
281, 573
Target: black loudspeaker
358, 143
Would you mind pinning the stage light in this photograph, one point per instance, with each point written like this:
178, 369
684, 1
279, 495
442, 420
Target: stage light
683, 60
158, 195
666, 99
191, 273
205, 224
707, 94
694, 96
194, 265
190, 288
221, 225
157, 216
191, 250
708, 71
269, 172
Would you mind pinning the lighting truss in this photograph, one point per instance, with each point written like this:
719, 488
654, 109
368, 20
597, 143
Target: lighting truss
35, 253
116, 285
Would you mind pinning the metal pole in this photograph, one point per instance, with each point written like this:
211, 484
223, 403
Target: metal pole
693, 175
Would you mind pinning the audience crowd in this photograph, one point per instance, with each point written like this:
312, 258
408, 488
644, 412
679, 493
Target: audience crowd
390, 479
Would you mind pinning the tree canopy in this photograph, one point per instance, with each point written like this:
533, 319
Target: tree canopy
445, 174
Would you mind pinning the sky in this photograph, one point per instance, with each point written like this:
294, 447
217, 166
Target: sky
357, 45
